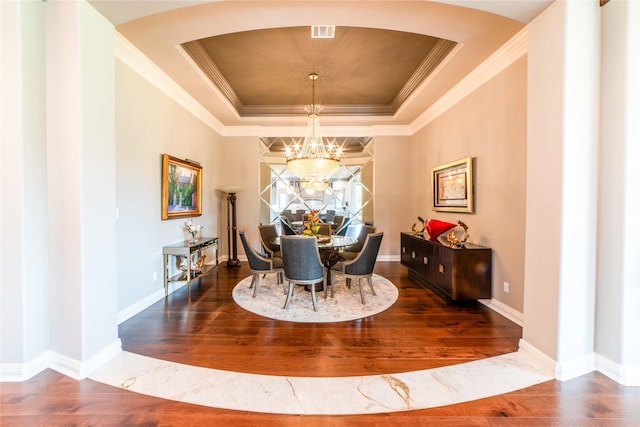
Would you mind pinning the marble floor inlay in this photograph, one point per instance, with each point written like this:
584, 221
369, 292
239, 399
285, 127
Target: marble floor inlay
322, 395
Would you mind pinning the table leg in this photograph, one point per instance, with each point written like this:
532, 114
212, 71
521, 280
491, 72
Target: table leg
166, 275
189, 276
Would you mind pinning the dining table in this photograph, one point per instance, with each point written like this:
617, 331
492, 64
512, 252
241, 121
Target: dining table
329, 248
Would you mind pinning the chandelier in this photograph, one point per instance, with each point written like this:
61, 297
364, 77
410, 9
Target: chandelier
313, 163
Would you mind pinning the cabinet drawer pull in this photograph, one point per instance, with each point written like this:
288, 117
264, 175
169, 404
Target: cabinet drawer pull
440, 268
413, 254
404, 250
425, 260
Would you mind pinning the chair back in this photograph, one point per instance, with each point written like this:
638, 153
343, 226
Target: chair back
364, 231
287, 214
325, 229
365, 261
297, 216
338, 221
268, 233
287, 229
256, 262
300, 258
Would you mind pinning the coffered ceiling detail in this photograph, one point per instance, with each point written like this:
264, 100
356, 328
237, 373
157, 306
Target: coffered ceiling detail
362, 71
246, 62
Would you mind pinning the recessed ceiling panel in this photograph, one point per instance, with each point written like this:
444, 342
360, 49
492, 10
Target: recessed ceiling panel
359, 69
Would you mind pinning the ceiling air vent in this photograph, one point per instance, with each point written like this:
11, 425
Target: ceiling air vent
323, 31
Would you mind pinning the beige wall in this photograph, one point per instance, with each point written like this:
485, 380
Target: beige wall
239, 166
392, 184
490, 126
148, 124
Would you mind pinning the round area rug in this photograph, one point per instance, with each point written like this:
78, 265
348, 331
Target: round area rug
345, 305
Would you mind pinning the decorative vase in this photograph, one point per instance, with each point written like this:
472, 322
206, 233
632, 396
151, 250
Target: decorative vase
436, 227
192, 237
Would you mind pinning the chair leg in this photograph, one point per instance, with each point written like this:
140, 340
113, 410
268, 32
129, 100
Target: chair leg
360, 286
284, 284
313, 296
253, 281
373, 291
256, 277
324, 284
289, 295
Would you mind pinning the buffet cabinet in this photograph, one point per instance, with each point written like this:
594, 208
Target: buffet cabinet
456, 274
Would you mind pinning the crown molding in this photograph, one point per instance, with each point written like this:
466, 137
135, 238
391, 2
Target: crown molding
137, 61
508, 53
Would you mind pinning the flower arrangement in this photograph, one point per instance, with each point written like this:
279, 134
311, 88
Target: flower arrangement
311, 228
192, 229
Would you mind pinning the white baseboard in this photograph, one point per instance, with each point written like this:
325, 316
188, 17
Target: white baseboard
388, 258
539, 357
18, 372
576, 368
81, 369
137, 307
504, 310
563, 371
625, 375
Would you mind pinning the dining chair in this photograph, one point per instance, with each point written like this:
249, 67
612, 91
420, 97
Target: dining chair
260, 265
361, 267
302, 265
287, 229
324, 229
350, 252
337, 223
267, 234
297, 216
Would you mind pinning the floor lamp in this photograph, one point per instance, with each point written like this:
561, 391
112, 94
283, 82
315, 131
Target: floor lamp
232, 227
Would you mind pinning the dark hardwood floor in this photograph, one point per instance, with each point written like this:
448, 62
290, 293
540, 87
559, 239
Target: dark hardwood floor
420, 331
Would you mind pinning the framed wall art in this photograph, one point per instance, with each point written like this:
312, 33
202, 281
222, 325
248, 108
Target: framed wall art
181, 188
452, 186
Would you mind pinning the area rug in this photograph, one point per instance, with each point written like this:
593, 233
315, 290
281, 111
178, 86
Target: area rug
345, 305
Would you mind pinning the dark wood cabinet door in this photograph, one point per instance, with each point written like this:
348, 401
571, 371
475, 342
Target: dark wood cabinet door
453, 273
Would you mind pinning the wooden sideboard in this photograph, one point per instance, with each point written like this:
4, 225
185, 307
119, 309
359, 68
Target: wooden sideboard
452, 273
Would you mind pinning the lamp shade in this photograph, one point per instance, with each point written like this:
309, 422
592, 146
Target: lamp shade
230, 189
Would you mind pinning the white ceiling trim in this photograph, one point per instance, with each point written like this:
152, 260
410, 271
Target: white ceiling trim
506, 55
515, 48
134, 58
140, 63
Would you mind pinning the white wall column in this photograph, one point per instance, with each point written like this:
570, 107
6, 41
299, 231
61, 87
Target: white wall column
81, 186
24, 291
618, 296
563, 108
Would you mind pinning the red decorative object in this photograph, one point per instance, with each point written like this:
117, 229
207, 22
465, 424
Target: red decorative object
436, 227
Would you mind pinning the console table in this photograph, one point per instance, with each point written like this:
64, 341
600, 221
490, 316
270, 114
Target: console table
452, 273
185, 250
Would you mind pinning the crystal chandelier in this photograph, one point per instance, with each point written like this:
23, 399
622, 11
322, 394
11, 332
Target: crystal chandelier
313, 163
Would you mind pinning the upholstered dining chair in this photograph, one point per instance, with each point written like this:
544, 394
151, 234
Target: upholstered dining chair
287, 229
268, 233
325, 229
338, 221
302, 265
361, 267
261, 266
350, 252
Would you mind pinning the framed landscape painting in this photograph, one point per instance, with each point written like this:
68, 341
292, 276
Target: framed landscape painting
452, 186
181, 188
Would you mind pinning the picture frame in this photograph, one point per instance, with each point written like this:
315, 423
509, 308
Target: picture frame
452, 186
181, 188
